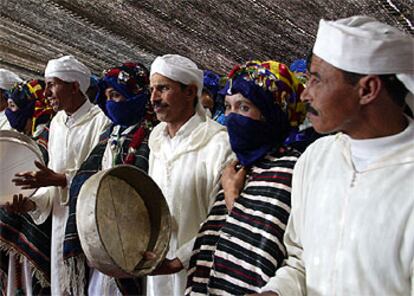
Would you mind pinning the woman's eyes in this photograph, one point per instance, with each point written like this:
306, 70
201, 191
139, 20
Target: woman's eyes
244, 108
241, 107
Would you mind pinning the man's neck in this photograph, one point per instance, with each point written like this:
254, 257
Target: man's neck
391, 125
75, 106
174, 127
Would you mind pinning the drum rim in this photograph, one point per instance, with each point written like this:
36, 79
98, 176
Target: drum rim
19, 138
139, 269
12, 136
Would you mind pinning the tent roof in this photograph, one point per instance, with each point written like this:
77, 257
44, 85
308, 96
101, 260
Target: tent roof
216, 34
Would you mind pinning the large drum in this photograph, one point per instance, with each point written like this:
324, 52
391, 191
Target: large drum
17, 154
121, 213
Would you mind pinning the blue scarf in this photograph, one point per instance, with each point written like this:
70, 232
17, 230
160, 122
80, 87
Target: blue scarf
18, 119
250, 139
128, 112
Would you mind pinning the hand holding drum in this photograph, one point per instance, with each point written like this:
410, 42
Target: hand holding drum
167, 266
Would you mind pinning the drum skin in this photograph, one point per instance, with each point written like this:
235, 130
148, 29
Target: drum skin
121, 213
17, 154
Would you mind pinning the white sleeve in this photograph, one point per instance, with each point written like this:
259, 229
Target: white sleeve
290, 279
185, 251
222, 157
44, 202
64, 192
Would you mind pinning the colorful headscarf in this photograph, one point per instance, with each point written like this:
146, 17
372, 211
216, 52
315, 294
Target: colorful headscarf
275, 91
29, 98
270, 86
131, 80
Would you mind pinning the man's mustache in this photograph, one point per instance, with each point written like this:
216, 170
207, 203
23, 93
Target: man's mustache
159, 104
310, 109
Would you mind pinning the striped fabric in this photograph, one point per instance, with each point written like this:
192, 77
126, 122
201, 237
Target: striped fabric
236, 253
20, 235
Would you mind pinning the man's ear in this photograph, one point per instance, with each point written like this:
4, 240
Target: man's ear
191, 91
369, 88
75, 87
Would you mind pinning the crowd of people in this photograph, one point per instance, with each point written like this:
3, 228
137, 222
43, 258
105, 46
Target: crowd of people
279, 180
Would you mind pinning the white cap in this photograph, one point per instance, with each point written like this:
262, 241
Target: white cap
69, 69
8, 79
180, 69
361, 44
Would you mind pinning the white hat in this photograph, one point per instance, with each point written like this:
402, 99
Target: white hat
8, 79
179, 68
69, 69
361, 44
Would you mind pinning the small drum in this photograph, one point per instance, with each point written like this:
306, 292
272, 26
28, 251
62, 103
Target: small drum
17, 154
121, 213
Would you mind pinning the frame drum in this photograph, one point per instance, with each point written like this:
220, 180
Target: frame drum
121, 213
17, 154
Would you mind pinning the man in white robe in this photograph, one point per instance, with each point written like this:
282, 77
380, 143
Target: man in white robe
74, 131
351, 229
187, 153
7, 80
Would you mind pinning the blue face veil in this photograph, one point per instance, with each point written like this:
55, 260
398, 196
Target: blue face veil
18, 119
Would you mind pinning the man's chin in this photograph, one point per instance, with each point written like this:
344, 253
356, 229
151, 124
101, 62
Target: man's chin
160, 116
323, 130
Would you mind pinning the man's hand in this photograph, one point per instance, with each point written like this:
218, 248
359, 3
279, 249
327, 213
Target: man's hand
168, 266
20, 205
42, 178
232, 181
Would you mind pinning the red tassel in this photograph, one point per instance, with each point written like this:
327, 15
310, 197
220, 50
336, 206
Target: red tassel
137, 139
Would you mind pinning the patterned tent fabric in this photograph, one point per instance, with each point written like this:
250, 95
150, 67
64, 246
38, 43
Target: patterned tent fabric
217, 34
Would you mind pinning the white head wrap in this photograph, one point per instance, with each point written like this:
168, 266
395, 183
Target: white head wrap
179, 68
8, 79
361, 44
69, 69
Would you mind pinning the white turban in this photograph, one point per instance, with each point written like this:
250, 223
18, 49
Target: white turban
8, 79
69, 69
363, 45
179, 68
